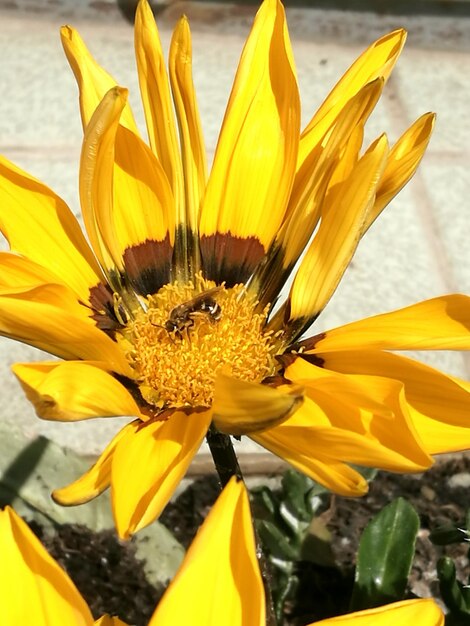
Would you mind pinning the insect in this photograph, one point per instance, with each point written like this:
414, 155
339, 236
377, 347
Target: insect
182, 317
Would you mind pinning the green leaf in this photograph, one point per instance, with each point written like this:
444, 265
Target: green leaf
385, 554
451, 589
265, 504
275, 542
295, 487
447, 534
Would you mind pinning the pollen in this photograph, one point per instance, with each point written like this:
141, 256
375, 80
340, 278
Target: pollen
190, 333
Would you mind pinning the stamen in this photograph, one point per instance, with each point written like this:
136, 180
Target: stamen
188, 334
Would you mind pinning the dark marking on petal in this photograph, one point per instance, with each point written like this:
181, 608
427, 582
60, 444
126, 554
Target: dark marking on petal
306, 344
276, 381
150, 410
286, 359
103, 306
148, 265
166, 413
314, 359
230, 259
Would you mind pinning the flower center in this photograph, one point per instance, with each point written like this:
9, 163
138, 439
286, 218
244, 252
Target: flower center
189, 334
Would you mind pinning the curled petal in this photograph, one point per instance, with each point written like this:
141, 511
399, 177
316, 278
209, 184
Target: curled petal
439, 405
192, 141
118, 171
241, 407
156, 98
377, 61
97, 478
299, 442
74, 390
93, 81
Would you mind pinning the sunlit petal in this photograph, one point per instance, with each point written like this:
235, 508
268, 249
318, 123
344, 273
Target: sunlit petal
424, 612
40, 226
74, 390
441, 323
219, 581
93, 81
335, 243
147, 467
98, 477
402, 162
377, 61
439, 404
242, 407
33, 588
257, 145
192, 142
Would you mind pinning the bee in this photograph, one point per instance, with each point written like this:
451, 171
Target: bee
182, 317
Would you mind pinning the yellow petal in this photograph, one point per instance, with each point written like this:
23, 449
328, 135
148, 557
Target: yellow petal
438, 324
219, 581
192, 141
93, 81
352, 389
155, 91
148, 466
375, 62
33, 588
439, 405
255, 159
73, 390
299, 442
402, 162
242, 407
120, 179
336, 240
307, 198
424, 612
40, 226
18, 273
384, 438
98, 477
49, 317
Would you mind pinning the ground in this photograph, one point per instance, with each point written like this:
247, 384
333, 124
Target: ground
113, 581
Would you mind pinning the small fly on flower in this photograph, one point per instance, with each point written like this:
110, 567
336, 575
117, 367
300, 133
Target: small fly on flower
182, 317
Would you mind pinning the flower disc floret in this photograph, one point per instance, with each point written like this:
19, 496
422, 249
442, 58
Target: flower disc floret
176, 365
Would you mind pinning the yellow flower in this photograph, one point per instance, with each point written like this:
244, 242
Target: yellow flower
216, 584
173, 314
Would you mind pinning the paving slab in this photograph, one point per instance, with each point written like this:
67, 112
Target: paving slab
416, 250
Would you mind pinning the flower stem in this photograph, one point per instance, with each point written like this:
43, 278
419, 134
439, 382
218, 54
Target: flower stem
226, 464
225, 459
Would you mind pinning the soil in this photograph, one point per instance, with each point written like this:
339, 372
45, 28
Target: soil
110, 578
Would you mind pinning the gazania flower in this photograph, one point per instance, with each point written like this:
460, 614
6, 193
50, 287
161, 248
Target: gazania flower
173, 314
215, 584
